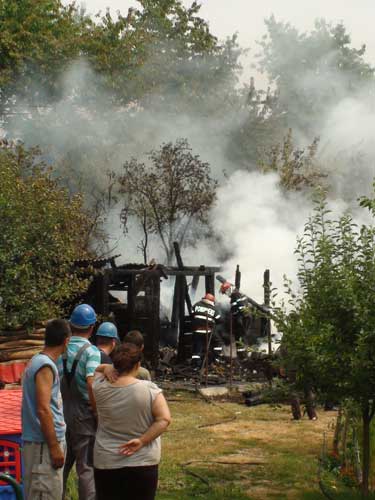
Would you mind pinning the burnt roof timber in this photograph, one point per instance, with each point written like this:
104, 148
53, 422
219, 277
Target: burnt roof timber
187, 271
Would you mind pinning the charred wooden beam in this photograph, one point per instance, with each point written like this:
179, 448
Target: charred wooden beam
181, 331
101, 293
155, 320
180, 265
97, 263
237, 281
131, 299
210, 283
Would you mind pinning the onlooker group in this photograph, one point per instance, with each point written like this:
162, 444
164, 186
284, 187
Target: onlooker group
59, 414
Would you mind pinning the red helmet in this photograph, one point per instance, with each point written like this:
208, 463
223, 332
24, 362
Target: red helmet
225, 287
210, 297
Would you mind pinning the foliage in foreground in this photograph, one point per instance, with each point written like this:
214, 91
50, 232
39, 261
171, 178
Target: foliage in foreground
329, 332
43, 230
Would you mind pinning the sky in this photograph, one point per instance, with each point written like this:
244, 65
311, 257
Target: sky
245, 17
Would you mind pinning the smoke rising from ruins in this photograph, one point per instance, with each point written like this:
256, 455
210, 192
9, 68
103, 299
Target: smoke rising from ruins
256, 220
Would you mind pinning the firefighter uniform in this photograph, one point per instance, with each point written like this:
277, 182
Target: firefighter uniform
205, 316
238, 303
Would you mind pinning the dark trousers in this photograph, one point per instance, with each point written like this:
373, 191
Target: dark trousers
127, 483
80, 450
199, 344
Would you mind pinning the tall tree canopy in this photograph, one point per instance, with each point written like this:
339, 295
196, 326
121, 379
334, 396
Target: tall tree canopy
38, 39
162, 48
308, 73
312, 71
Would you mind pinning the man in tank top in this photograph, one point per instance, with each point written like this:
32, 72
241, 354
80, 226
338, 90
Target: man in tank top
43, 425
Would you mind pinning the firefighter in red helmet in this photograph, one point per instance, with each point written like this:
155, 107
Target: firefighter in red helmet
205, 316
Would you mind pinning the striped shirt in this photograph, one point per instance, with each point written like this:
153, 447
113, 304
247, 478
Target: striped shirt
86, 367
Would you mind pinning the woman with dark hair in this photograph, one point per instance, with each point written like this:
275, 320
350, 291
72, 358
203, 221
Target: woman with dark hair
132, 414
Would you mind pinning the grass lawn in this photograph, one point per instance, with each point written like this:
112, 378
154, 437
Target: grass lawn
263, 453
257, 453
254, 453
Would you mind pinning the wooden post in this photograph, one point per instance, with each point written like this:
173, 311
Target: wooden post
206, 359
155, 319
267, 303
210, 283
180, 265
237, 282
102, 297
175, 310
131, 300
180, 293
231, 351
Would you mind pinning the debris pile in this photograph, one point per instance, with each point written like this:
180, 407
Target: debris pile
16, 348
247, 367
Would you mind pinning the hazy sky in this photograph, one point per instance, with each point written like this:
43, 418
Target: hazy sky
246, 16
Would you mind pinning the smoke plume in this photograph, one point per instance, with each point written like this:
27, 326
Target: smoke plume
253, 218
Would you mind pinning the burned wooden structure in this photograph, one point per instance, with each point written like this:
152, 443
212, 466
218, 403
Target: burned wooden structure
139, 305
130, 295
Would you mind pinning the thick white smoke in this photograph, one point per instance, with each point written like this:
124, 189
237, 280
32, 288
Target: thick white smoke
257, 222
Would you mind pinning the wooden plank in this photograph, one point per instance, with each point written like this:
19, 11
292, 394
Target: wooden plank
122, 274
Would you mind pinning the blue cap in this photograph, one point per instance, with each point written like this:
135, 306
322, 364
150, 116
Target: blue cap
107, 329
83, 316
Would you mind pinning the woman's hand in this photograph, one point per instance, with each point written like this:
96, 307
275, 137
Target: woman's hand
131, 447
110, 373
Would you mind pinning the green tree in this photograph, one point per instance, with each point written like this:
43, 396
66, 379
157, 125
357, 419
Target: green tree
169, 195
159, 50
162, 48
297, 168
43, 230
39, 38
329, 329
308, 74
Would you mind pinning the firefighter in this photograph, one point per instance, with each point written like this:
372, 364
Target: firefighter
241, 315
238, 301
205, 316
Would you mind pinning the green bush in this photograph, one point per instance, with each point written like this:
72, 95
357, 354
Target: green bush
43, 230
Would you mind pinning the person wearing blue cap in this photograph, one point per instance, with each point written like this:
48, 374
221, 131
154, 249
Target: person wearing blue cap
106, 340
77, 368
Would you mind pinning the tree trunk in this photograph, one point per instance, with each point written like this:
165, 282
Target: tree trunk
366, 420
336, 437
